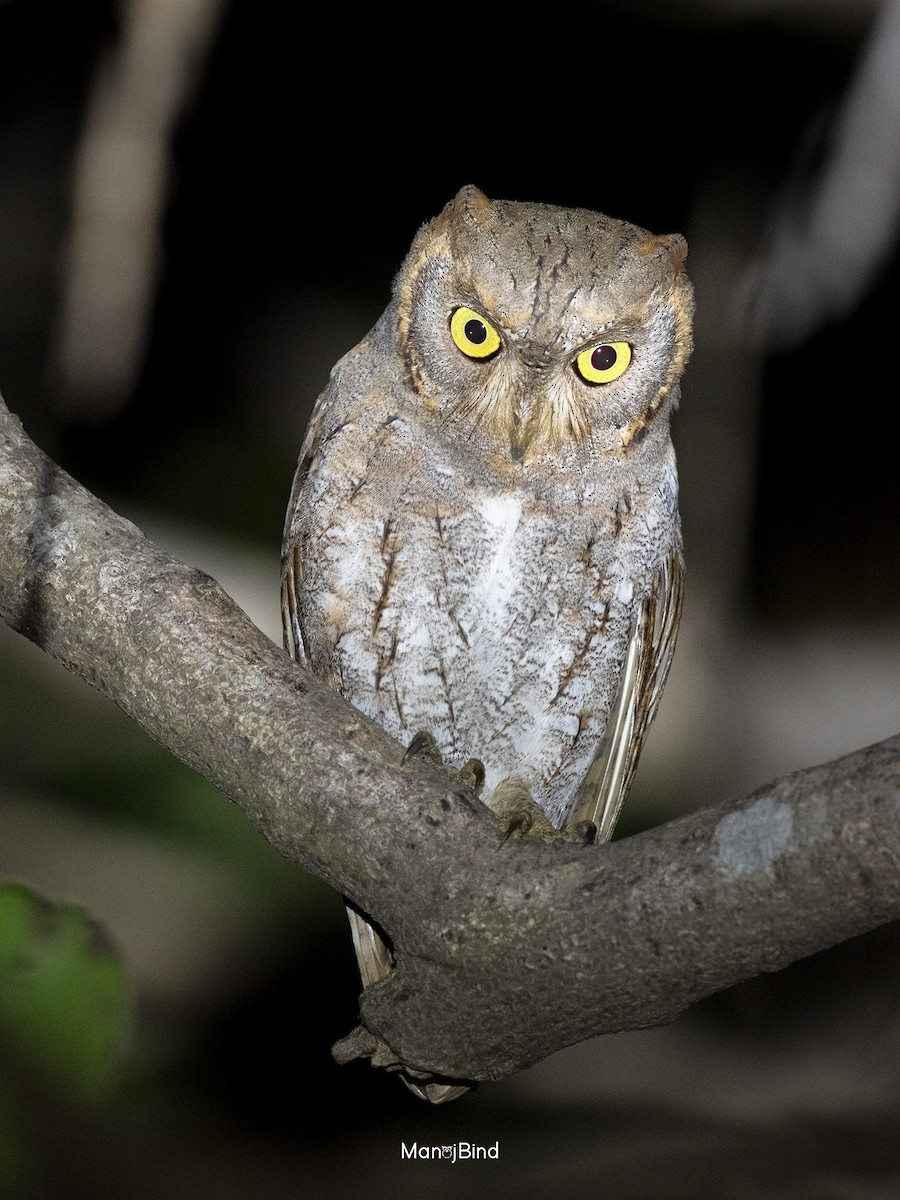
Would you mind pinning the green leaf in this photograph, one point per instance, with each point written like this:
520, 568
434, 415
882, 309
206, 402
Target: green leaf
64, 1001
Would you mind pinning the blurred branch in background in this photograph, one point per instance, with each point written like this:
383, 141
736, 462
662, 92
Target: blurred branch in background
830, 236
791, 541
120, 194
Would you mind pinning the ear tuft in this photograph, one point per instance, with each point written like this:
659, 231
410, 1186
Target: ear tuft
671, 245
470, 202
472, 199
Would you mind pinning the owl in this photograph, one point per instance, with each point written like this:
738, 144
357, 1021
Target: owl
482, 548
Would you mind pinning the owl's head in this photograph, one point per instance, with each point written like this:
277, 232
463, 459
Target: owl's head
540, 328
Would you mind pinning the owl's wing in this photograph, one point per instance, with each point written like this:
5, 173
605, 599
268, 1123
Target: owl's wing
372, 954
292, 550
643, 677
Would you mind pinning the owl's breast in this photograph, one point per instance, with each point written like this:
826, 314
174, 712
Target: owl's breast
495, 620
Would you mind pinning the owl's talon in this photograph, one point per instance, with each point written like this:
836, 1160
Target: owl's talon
529, 824
582, 831
521, 816
422, 745
472, 776
514, 828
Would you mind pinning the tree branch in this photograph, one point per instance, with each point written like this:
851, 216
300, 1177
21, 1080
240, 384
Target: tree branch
506, 951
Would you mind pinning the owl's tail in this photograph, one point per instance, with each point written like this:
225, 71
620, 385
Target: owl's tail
372, 953
375, 962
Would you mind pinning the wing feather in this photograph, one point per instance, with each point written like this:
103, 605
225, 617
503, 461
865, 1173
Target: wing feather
643, 678
372, 954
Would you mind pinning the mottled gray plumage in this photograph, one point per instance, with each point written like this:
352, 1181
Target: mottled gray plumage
482, 543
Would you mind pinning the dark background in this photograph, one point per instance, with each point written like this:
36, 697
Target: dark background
297, 165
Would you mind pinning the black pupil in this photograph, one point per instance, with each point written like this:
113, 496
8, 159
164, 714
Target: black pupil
603, 358
475, 332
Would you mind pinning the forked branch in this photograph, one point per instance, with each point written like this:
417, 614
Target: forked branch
505, 950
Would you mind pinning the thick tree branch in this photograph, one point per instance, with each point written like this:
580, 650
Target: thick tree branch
506, 951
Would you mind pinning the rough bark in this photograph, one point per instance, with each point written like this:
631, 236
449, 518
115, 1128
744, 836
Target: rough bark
506, 950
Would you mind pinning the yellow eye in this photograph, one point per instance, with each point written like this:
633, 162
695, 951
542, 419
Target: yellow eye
602, 364
473, 333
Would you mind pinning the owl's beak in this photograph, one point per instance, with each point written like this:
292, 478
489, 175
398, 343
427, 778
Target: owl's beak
521, 435
522, 402
527, 418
